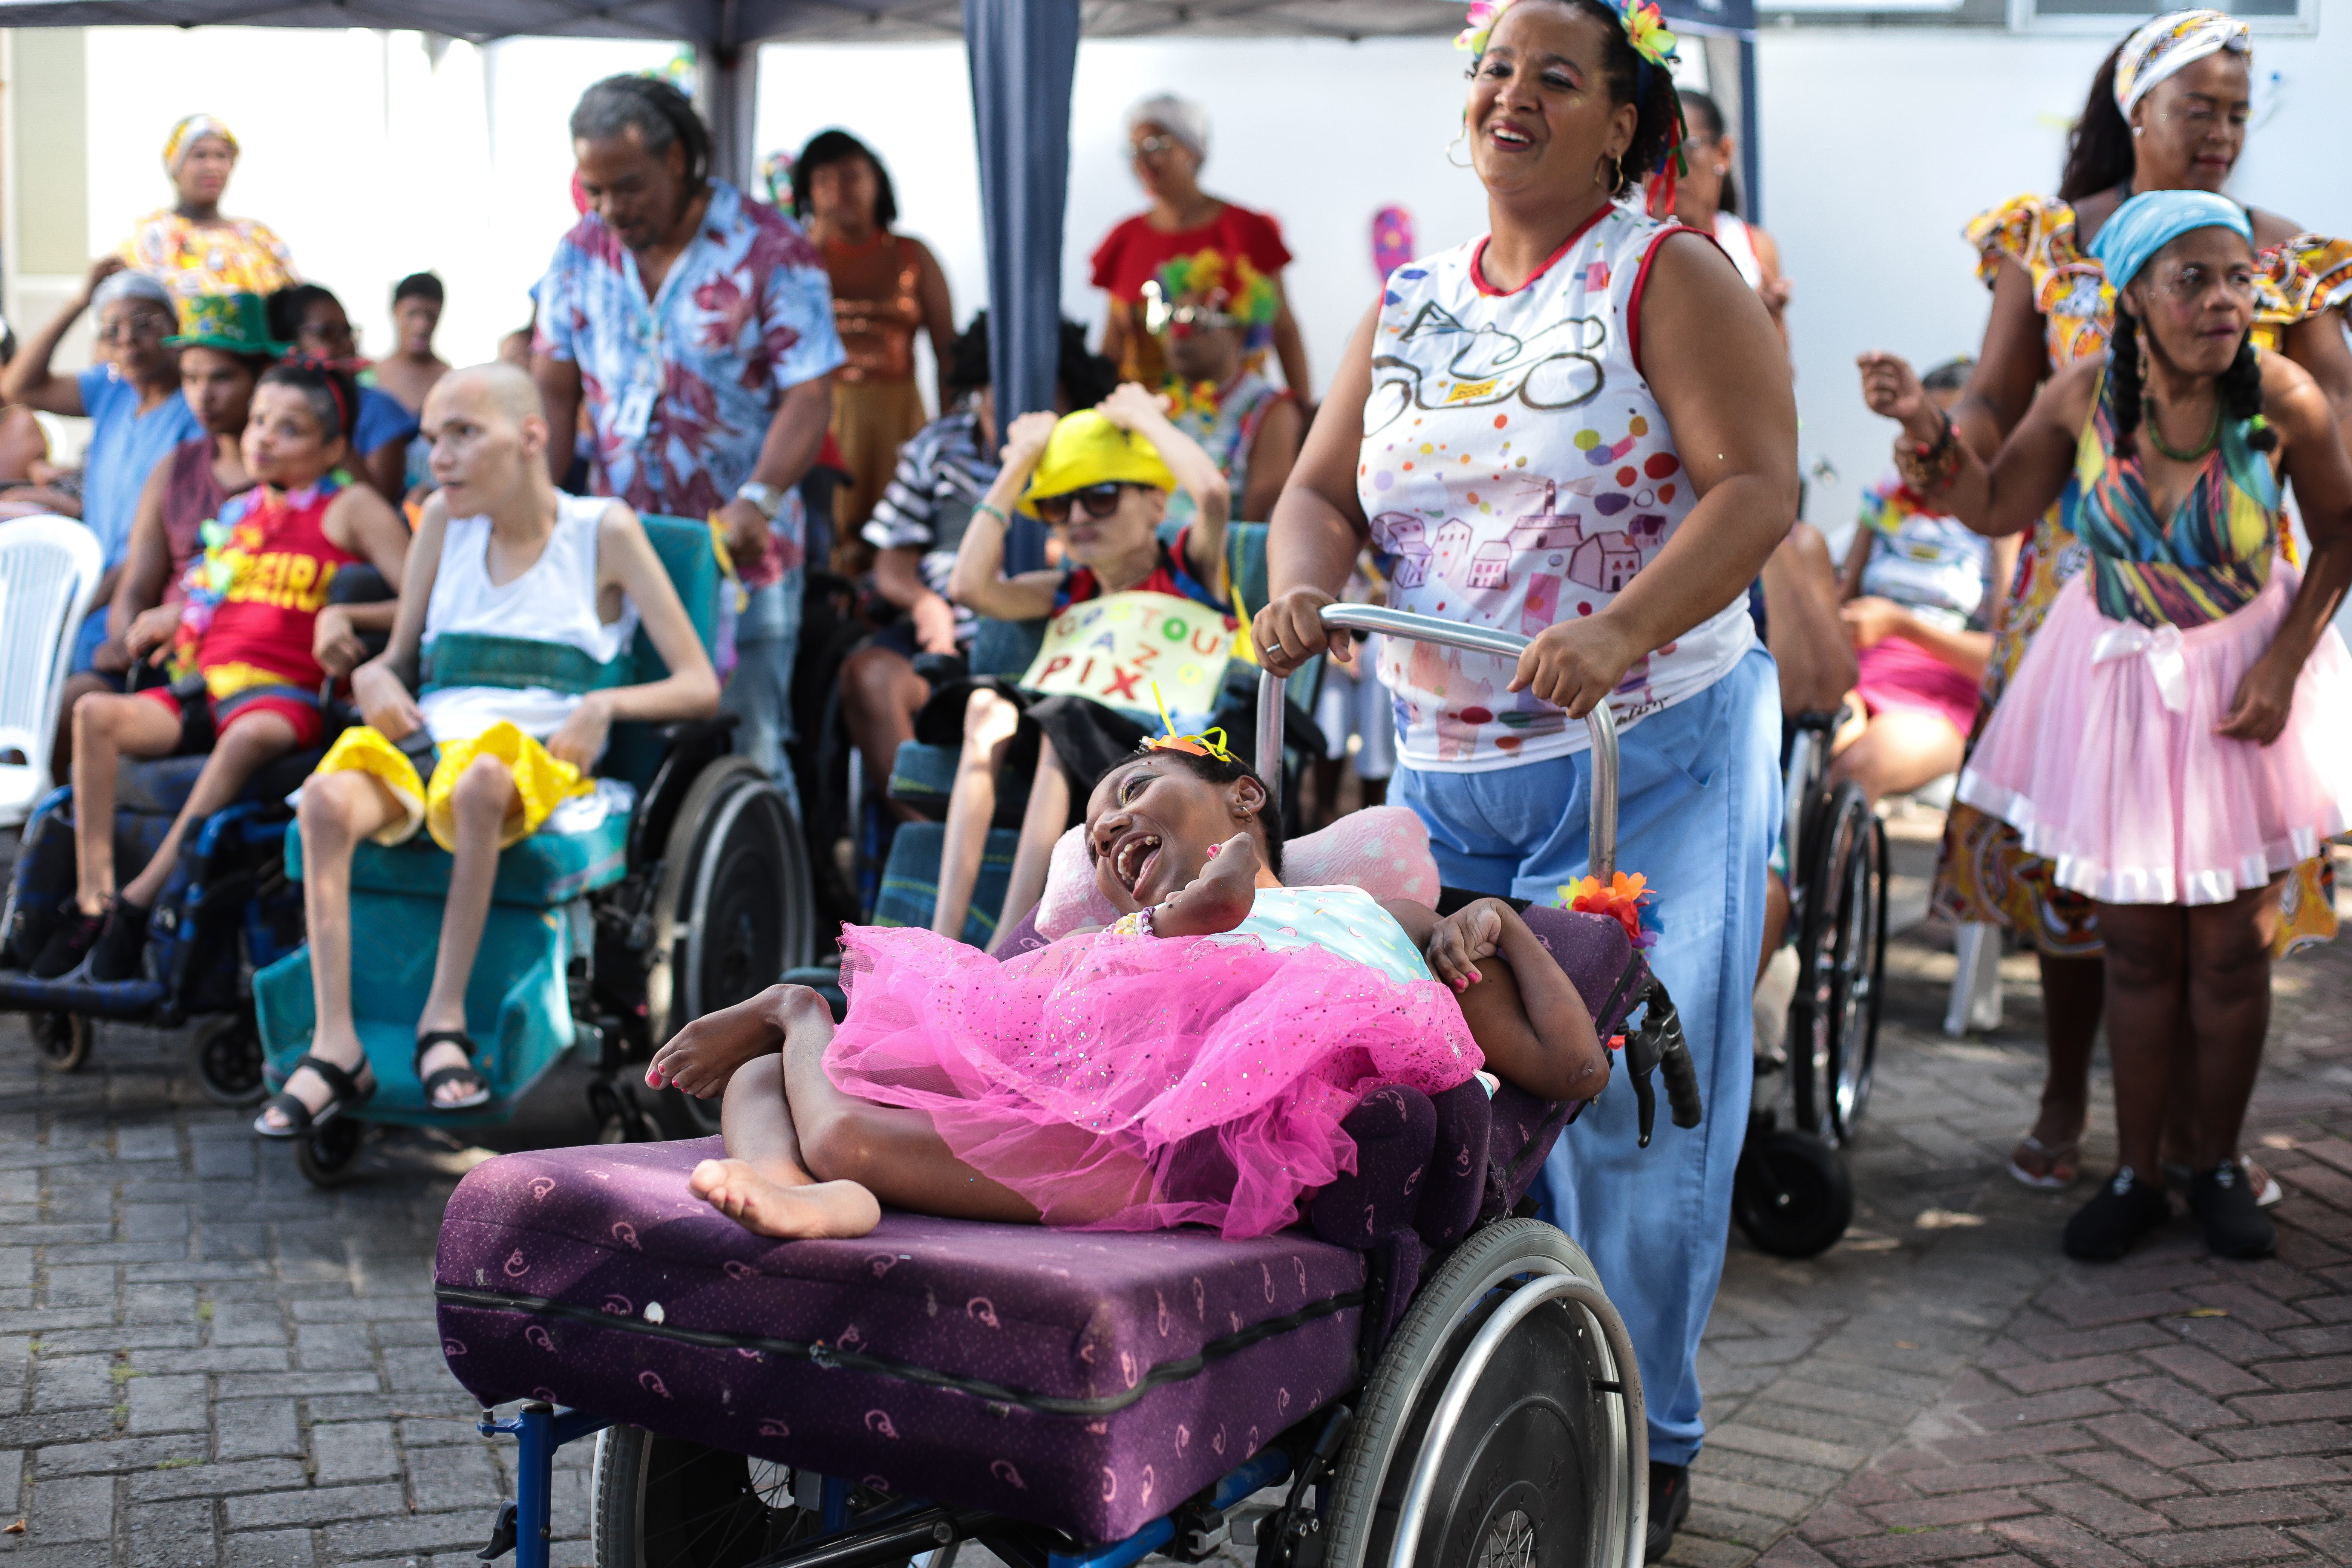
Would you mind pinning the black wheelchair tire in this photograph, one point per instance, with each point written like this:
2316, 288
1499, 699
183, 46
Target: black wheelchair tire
328, 1157
1841, 955
1793, 1195
62, 1040
225, 1056
734, 858
1556, 1398
665, 1502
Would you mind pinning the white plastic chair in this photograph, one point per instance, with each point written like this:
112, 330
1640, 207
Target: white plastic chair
49, 568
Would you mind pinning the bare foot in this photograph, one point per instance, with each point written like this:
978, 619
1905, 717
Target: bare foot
766, 1207
1219, 899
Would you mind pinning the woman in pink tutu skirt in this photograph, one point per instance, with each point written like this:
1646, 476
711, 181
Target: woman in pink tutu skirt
1189, 1064
2174, 740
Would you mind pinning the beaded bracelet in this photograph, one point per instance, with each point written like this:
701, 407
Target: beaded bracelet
1137, 924
992, 512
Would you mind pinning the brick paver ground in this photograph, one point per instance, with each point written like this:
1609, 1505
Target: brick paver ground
203, 1360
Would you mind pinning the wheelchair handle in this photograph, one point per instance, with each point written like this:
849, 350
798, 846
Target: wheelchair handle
1600, 724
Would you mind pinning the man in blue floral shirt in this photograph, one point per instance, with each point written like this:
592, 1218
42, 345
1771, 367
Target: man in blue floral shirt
698, 327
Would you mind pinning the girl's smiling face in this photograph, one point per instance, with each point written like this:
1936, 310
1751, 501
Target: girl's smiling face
1151, 823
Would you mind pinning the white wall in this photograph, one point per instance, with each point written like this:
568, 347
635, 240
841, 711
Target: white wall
1879, 146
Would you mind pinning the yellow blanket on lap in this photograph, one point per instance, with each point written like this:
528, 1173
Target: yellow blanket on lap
541, 781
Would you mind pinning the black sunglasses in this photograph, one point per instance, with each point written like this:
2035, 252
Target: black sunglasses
1097, 501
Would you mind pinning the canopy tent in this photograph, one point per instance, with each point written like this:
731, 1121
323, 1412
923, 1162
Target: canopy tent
1023, 57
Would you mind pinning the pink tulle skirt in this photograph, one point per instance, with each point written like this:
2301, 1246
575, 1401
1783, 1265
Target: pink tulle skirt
2102, 753
1137, 1083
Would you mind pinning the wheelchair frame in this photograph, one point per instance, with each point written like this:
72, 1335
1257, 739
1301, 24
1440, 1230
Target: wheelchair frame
1414, 1434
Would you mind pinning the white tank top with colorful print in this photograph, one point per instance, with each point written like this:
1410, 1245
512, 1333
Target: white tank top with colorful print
1517, 472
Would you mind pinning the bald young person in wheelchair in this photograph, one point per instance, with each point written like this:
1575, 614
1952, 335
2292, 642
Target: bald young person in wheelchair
562, 582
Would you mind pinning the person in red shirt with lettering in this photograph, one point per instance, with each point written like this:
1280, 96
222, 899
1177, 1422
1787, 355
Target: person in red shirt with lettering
251, 629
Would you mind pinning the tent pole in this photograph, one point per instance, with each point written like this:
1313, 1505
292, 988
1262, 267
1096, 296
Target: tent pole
1023, 56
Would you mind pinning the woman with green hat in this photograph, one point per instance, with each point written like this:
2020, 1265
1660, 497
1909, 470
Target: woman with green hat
1100, 478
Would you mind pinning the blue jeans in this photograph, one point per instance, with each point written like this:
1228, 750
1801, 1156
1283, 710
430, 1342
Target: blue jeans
1699, 788
767, 639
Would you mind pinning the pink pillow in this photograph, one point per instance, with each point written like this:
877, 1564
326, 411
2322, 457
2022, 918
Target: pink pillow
1383, 849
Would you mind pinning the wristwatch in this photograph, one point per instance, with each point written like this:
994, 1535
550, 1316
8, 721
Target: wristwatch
767, 498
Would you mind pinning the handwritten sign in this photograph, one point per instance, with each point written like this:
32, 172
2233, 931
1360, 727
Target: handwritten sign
1114, 649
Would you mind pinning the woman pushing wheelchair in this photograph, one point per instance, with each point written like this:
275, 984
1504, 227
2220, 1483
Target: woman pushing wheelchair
548, 590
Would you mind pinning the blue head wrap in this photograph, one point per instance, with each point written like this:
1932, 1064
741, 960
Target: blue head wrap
2148, 223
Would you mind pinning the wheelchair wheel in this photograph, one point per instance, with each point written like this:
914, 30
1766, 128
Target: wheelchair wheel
1793, 1195
328, 1157
225, 1056
664, 1502
63, 1039
1503, 1424
1842, 948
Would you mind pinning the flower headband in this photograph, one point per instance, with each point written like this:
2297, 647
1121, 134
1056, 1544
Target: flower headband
1655, 49
1209, 743
1646, 29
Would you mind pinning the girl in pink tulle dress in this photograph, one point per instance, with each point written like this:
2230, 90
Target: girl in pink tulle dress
1191, 1064
2174, 741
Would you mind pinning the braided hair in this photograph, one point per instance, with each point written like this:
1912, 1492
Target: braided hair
1657, 127
661, 112
2099, 154
2240, 388
1266, 826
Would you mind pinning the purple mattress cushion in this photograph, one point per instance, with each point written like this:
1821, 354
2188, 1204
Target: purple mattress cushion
1082, 1380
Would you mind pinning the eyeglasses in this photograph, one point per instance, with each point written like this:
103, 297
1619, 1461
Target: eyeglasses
134, 327
1097, 501
1152, 147
1158, 315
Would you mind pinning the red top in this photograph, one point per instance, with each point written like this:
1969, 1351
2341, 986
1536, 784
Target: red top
260, 632
1133, 252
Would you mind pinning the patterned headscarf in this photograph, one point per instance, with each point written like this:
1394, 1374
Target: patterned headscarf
2170, 44
185, 134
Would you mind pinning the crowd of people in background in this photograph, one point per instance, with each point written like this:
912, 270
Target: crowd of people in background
698, 352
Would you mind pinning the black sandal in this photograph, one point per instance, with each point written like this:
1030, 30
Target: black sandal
348, 1094
463, 1042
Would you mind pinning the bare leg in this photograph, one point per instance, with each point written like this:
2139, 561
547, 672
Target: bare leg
1775, 920
880, 695
483, 796
1903, 749
247, 746
2229, 1015
2146, 973
761, 1184
61, 748
989, 723
108, 728
2073, 995
1048, 813
338, 810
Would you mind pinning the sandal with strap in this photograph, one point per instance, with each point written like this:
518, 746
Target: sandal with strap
466, 1074
349, 1091
2062, 1164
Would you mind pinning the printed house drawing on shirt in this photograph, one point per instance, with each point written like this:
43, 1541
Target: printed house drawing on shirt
1404, 540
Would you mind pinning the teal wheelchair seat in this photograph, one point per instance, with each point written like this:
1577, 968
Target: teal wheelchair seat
530, 980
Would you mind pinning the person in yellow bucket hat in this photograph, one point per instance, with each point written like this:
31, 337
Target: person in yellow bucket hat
1100, 478
525, 598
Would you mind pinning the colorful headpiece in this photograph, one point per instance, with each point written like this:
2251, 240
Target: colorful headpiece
233, 323
185, 134
1208, 744
1246, 295
1655, 49
2172, 42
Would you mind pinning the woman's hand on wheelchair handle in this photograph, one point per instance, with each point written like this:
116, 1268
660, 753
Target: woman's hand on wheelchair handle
1575, 664
580, 738
383, 700
1289, 631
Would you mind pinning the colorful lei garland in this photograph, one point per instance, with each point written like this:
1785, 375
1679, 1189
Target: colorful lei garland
231, 542
1624, 900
